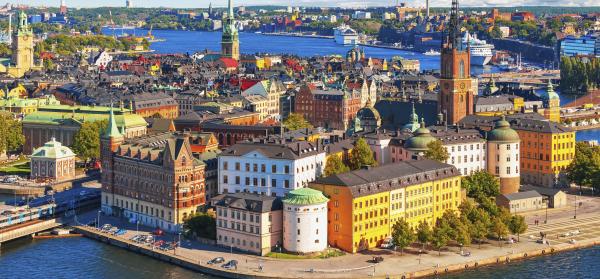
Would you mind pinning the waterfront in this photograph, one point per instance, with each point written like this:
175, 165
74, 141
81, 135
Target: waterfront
104, 261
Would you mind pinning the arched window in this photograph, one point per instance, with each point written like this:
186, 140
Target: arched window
461, 69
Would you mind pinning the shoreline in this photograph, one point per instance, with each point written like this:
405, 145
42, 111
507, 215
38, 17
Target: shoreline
422, 273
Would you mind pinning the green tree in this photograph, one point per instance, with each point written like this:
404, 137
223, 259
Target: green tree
585, 166
436, 151
439, 238
481, 184
11, 133
517, 226
335, 165
296, 121
498, 229
402, 235
361, 155
86, 142
201, 225
424, 233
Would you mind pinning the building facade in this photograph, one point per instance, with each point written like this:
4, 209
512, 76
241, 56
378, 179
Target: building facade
151, 180
503, 156
22, 60
230, 43
305, 221
270, 167
248, 222
327, 108
53, 161
364, 204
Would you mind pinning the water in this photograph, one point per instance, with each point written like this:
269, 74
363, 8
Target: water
86, 258
178, 41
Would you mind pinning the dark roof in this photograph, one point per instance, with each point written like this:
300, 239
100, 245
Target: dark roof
248, 201
394, 114
454, 135
544, 191
374, 180
519, 121
521, 195
275, 150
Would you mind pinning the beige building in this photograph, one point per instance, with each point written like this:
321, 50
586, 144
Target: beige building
249, 222
521, 201
23, 53
53, 161
264, 98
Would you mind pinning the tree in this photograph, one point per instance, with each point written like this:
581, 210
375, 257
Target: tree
335, 165
436, 151
481, 184
361, 155
402, 235
439, 238
201, 225
296, 121
498, 229
585, 166
424, 234
517, 226
11, 133
86, 142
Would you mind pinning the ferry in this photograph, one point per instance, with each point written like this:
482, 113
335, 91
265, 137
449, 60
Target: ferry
481, 51
432, 52
344, 35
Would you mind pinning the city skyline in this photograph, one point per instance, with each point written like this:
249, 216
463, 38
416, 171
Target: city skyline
333, 3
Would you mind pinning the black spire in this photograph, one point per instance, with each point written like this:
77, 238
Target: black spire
453, 40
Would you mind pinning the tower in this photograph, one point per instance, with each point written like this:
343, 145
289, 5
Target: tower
63, 7
230, 44
456, 94
109, 143
503, 156
22, 47
551, 102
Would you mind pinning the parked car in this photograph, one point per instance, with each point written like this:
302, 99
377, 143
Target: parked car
387, 243
377, 259
217, 260
230, 264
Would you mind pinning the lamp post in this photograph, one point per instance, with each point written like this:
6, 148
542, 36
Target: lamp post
546, 220
575, 216
98, 219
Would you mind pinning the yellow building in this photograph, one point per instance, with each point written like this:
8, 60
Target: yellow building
547, 149
551, 102
26, 106
22, 59
364, 204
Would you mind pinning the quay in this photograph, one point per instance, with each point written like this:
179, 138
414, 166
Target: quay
358, 265
29, 228
285, 34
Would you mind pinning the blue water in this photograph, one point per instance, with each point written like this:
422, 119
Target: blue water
178, 41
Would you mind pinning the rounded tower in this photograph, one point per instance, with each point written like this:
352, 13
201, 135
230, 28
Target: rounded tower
418, 143
503, 156
305, 221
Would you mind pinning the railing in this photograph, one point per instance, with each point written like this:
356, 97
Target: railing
28, 230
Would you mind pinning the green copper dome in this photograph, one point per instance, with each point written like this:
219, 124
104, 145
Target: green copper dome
502, 132
422, 137
305, 196
413, 125
550, 93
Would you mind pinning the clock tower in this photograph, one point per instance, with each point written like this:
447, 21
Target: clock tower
456, 96
230, 43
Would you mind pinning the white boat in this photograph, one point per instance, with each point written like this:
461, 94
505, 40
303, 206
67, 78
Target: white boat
344, 35
481, 51
432, 52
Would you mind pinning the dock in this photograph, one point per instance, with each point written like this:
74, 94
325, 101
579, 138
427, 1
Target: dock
27, 229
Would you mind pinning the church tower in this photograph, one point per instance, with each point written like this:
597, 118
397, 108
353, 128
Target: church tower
551, 102
22, 58
456, 94
109, 143
230, 44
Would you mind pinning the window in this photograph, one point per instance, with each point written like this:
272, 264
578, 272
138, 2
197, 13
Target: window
263, 168
237, 180
225, 165
287, 169
286, 183
225, 180
237, 166
247, 166
273, 168
273, 182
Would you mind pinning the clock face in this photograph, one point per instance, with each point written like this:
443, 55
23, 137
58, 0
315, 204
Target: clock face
462, 85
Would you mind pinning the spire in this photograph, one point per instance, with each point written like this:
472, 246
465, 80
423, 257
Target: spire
454, 40
230, 10
414, 118
112, 131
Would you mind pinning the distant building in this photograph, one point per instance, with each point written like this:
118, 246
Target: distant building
344, 35
248, 222
361, 15
588, 45
329, 108
63, 7
53, 161
153, 104
22, 60
230, 45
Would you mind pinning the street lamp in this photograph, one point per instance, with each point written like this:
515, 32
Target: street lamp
546, 220
98, 219
575, 216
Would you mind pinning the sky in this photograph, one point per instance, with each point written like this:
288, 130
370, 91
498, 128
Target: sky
329, 3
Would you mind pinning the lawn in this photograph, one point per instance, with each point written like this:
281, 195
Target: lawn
16, 169
321, 255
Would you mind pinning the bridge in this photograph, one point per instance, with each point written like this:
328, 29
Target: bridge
537, 78
27, 228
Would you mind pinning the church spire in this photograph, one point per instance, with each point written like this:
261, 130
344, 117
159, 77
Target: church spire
453, 41
112, 131
230, 11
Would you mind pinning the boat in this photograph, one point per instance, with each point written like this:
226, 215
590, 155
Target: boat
344, 35
150, 38
506, 66
481, 51
432, 52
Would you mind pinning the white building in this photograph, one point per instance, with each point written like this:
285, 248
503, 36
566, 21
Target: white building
503, 156
466, 148
102, 60
344, 35
361, 15
305, 221
264, 96
53, 161
269, 167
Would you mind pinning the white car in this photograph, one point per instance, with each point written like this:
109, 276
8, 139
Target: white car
387, 243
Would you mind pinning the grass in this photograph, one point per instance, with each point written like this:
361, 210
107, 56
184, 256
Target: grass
16, 169
329, 253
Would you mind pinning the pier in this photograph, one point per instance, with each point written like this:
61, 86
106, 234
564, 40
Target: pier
29, 228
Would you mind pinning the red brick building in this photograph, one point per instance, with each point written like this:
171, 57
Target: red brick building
327, 108
153, 180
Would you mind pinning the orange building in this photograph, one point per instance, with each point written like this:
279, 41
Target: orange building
153, 104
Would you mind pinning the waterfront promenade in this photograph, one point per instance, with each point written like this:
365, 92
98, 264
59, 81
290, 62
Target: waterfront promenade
194, 255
